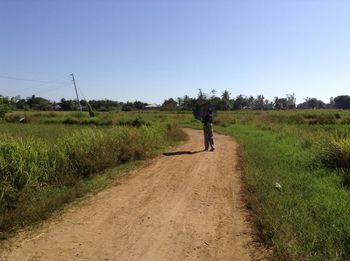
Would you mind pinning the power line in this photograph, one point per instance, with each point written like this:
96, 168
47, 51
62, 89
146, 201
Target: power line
22, 79
36, 86
43, 84
81, 91
33, 88
56, 88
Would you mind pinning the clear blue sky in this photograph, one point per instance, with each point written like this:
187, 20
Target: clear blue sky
152, 50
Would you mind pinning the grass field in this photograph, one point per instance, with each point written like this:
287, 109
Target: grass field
307, 152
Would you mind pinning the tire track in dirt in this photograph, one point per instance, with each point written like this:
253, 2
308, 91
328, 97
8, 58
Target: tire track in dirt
183, 206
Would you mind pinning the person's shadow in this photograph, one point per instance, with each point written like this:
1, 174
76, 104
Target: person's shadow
176, 153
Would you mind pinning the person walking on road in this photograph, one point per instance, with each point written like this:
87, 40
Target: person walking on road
208, 130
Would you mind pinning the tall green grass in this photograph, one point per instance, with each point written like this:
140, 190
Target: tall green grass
131, 118
308, 219
29, 164
308, 155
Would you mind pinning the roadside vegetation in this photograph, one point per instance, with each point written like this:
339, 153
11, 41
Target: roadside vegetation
295, 163
43, 166
296, 167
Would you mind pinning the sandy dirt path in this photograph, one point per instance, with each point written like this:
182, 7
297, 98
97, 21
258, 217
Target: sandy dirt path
186, 205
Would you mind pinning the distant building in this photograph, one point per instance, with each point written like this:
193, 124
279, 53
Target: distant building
56, 107
152, 106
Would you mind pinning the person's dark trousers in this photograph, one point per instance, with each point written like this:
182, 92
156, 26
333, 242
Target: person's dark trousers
208, 139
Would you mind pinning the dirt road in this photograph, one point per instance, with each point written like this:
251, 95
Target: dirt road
185, 205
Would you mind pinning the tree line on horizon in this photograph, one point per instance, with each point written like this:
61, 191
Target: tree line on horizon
222, 102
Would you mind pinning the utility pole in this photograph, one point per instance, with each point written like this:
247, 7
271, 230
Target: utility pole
76, 91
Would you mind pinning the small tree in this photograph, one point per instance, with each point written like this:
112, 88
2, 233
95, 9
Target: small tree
139, 105
129, 106
342, 102
331, 103
240, 102
224, 104
188, 103
259, 102
67, 105
311, 103
291, 101
4, 106
280, 103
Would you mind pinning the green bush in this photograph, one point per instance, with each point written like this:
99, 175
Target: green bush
335, 153
18, 118
337, 115
297, 119
3, 109
345, 121
323, 119
174, 133
71, 120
